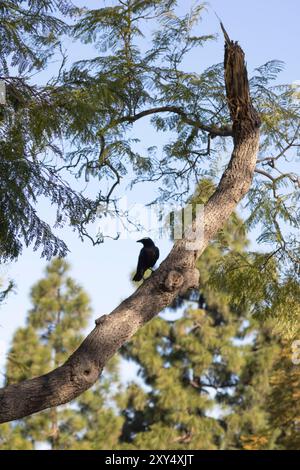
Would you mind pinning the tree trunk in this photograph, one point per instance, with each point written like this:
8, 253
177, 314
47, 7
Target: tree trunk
176, 274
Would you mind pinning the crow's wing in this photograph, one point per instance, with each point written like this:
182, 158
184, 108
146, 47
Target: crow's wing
141, 266
151, 256
142, 261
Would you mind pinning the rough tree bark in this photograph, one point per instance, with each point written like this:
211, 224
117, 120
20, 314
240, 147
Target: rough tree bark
175, 275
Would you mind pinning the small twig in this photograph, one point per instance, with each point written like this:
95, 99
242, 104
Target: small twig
267, 175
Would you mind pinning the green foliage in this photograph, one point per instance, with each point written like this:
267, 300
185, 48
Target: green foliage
207, 374
211, 379
93, 105
29, 32
142, 74
283, 404
54, 329
7, 290
137, 78
30, 124
217, 354
24, 181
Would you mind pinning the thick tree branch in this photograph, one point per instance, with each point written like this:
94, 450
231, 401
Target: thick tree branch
214, 131
175, 275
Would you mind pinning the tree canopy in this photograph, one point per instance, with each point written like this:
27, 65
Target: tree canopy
94, 103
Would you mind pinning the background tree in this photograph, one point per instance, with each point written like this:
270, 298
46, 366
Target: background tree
206, 373
55, 325
283, 402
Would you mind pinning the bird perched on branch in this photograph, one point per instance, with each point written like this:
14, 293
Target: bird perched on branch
148, 256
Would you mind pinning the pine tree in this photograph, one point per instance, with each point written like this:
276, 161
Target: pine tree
206, 373
55, 323
283, 403
103, 421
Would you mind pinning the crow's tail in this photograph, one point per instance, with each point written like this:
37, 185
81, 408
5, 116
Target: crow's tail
138, 276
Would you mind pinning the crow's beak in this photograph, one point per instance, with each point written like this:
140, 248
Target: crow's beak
140, 241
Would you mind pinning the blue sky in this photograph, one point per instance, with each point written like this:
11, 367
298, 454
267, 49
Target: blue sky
266, 30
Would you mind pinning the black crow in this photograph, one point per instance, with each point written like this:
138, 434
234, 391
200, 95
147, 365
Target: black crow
148, 256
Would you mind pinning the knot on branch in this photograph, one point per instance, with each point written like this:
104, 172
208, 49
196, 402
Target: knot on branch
100, 320
84, 374
174, 281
